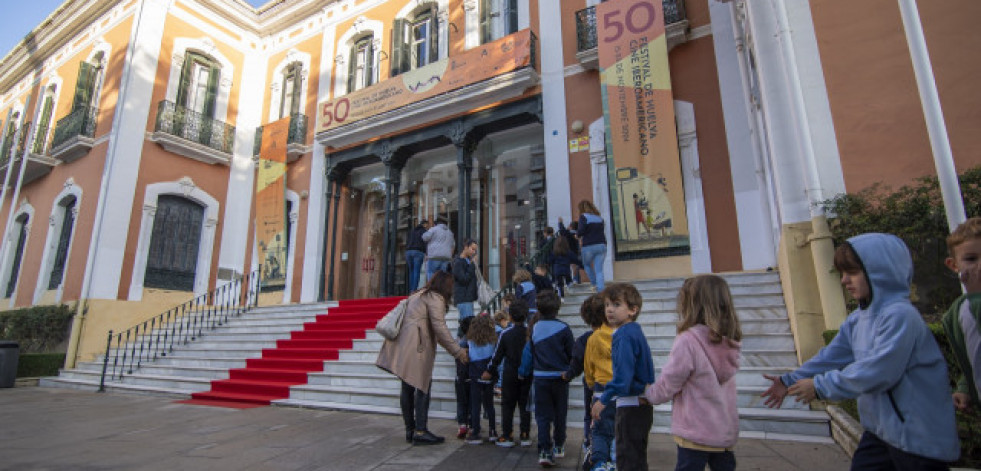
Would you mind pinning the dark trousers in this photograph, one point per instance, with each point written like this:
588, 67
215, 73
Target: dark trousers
551, 408
587, 420
415, 407
462, 389
561, 281
695, 460
633, 429
873, 454
481, 394
514, 392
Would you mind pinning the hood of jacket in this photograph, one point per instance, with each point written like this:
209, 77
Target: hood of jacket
724, 355
888, 267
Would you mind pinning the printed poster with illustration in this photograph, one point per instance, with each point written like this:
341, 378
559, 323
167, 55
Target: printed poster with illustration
646, 193
270, 207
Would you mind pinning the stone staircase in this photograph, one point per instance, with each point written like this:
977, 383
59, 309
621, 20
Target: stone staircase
353, 382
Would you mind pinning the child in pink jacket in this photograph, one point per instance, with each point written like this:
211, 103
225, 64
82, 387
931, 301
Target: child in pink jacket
700, 376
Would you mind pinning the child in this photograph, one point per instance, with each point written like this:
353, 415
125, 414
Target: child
598, 365
551, 351
962, 319
886, 357
633, 370
501, 322
481, 339
524, 288
593, 313
541, 279
461, 385
562, 258
700, 376
514, 390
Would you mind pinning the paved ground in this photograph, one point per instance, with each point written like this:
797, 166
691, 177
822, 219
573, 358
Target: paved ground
57, 429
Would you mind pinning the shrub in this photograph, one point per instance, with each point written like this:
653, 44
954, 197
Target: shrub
916, 214
37, 329
30, 365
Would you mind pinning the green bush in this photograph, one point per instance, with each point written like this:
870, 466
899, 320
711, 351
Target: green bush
916, 214
30, 365
38, 329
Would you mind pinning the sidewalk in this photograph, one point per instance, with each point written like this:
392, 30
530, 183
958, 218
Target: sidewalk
42, 428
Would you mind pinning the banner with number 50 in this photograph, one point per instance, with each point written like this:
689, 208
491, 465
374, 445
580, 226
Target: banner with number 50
646, 192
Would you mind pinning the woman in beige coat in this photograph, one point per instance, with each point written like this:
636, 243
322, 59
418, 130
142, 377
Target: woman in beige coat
412, 354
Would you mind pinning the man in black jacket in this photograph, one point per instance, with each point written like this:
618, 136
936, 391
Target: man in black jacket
465, 279
415, 253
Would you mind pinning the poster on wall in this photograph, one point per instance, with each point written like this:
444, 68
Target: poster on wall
646, 195
270, 204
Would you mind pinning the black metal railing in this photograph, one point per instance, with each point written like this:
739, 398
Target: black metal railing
674, 11
156, 337
80, 122
40, 134
297, 133
179, 121
527, 263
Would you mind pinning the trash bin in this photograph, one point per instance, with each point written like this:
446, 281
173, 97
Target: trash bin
9, 354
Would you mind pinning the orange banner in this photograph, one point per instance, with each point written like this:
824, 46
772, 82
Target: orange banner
648, 200
507, 54
270, 201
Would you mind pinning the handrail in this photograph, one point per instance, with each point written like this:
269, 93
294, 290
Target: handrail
184, 323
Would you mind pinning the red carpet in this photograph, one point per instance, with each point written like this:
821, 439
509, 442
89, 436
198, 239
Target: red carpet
269, 378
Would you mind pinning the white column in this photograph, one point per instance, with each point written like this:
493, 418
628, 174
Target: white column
701, 257
553, 109
601, 187
236, 223
121, 171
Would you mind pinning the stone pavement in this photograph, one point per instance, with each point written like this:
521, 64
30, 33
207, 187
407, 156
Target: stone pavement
56, 429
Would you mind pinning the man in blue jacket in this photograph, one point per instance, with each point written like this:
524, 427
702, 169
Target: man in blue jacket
885, 356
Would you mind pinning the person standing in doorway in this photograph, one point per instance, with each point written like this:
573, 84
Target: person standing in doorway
439, 247
465, 279
592, 237
415, 253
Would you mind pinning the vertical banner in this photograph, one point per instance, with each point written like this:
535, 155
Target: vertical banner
270, 203
646, 193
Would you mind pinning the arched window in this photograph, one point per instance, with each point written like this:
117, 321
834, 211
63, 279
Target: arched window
361, 71
64, 240
42, 129
21, 228
498, 18
173, 255
290, 101
198, 89
90, 75
415, 41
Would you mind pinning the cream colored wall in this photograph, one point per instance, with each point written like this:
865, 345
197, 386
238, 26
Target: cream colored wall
800, 289
652, 268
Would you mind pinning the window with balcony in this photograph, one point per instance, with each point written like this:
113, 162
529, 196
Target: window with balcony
498, 18
80, 123
41, 136
415, 41
173, 255
360, 72
198, 89
291, 99
8, 140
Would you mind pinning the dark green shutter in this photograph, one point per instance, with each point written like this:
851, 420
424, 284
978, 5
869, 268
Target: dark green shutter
369, 57
511, 16
211, 97
297, 88
400, 52
485, 21
83, 87
352, 67
433, 36
185, 82
42, 129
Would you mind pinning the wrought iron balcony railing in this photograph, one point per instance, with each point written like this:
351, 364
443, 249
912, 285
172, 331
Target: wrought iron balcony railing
297, 133
674, 11
80, 122
188, 124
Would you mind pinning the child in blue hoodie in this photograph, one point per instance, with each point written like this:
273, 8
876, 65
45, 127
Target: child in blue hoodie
885, 356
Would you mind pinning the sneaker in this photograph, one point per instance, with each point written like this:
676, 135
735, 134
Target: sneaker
607, 466
525, 439
462, 433
504, 441
492, 436
559, 451
545, 459
474, 438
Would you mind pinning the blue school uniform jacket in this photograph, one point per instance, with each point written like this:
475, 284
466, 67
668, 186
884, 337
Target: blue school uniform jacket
886, 356
633, 367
